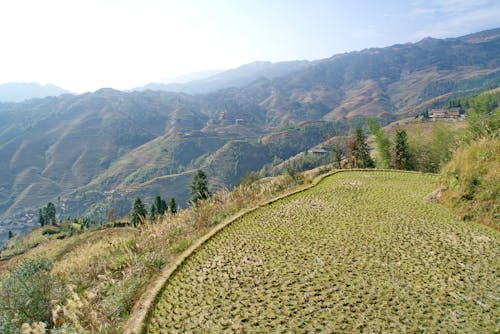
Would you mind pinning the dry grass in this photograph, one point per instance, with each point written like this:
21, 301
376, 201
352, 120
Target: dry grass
109, 269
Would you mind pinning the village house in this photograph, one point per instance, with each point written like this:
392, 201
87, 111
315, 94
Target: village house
319, 151
451, 114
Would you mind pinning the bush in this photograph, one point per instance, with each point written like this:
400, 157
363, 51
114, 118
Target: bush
473, 182
27, 295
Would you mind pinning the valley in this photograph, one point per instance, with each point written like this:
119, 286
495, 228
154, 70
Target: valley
78, 150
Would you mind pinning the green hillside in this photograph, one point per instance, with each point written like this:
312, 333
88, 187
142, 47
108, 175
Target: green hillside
360, 252
77, 150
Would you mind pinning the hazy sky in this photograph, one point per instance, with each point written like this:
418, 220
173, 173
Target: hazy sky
83, 45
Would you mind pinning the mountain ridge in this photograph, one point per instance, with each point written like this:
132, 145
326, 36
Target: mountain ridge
94, 151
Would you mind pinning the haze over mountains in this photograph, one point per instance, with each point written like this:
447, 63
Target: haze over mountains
237, 77
96, 151
20, 91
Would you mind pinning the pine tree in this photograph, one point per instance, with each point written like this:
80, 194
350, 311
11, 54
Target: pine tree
164, 207
50, 217
152, 212
199, 187
401, 156
41, 217
337, 157
158, 206
138, 212
361, 151
172, 206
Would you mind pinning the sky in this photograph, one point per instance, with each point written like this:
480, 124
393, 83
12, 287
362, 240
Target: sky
84, 45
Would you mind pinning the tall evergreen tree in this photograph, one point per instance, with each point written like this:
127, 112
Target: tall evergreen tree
401, 155
199, 187
152, 212
337, 157
361, 150
138, 212
158, 205
41, 217
50, 217
172, 206
164, 207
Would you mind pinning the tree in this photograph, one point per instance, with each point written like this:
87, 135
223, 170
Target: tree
349, 154
483, 116
172, 206
361, 151
337, 157
47, 215
164, 207
158, 205
382, 144
138, 213
152, 212
199, 187
401, 156
41, 217
50, 217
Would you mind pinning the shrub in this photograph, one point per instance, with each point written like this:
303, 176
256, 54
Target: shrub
27, 294
473, 182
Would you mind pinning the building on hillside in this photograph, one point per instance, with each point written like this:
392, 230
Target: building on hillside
319, 151
451, 114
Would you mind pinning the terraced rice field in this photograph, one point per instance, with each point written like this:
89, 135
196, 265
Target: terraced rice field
360, 252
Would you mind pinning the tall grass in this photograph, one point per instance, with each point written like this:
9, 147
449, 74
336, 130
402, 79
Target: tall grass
108, 270
473, 181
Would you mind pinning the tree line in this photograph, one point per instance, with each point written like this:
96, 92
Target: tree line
199, 192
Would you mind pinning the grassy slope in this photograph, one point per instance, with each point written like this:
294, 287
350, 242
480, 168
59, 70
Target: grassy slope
109, 269
361, 251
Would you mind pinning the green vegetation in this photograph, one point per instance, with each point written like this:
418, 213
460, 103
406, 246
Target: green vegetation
47, 215
27, 294
471, 178
107, 269
360, 252
361, 151
382, 144
431, 149
172, 206
104, 143
19, 244
199, 187
138, 214
400, 156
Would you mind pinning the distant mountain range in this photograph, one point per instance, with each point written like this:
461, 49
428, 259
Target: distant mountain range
20, 91
191, 77
96, 151
237, 77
